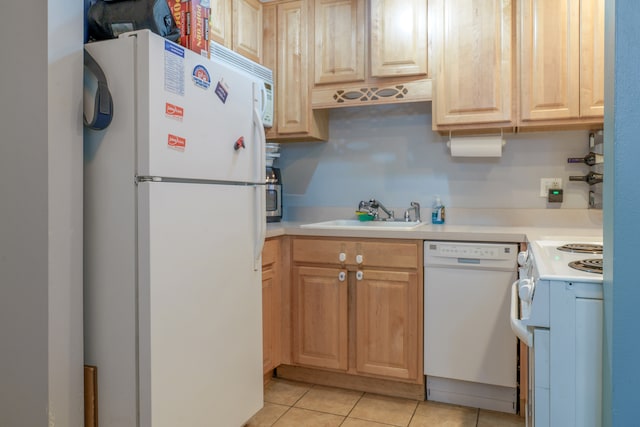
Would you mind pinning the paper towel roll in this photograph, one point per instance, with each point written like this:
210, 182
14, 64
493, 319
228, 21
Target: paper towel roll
476, 146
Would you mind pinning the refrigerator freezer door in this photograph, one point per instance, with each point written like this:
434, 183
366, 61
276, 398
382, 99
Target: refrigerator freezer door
196, 114
199, 306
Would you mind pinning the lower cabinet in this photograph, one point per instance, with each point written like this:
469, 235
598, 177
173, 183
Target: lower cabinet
357, 307
386, 324
320, 317
271, 304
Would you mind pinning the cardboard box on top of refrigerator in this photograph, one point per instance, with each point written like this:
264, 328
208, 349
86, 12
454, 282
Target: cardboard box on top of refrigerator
180, 10
199, 28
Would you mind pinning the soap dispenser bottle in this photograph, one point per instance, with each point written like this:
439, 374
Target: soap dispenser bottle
437, 214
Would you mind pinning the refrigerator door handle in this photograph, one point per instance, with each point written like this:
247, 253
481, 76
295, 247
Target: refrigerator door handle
261, 226
261, 219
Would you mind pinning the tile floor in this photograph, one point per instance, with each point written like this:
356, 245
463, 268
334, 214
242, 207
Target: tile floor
294, 404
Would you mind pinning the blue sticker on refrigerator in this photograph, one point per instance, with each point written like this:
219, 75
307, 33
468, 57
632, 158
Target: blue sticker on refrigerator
222, 91
173, 68
201, 77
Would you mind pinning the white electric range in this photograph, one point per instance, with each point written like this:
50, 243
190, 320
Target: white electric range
557, 310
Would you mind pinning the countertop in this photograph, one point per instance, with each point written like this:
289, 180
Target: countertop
427, 231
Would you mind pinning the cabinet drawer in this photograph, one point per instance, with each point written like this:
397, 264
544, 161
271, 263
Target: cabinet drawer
356, 253
388, 254
319, 251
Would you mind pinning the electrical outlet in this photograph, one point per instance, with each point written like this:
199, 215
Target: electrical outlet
547, 183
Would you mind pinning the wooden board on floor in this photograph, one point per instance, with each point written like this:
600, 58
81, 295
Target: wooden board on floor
90, 396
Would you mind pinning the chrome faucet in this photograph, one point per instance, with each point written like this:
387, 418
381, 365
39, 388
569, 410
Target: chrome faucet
415, 207
372, 207
362, 206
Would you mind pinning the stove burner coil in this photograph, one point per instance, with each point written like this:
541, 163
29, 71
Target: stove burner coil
593, 265
582, 248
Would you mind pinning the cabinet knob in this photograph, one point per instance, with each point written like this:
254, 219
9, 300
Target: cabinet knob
342, 257
359, 259
359, 275
342, 276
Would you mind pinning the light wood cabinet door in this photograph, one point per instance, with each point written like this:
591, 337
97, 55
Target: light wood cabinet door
339, 41
387, 305
320, 335
220, 22
473, 62
269, 340
293, 76
270, 56
271, 305
592, 58
550, 59
398, 38
247, 28
286, 52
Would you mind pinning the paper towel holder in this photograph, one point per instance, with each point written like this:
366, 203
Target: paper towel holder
504, 142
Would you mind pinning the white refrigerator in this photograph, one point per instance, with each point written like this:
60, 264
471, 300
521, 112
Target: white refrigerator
174, 226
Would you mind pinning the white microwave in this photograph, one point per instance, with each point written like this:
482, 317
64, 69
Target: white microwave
261, 74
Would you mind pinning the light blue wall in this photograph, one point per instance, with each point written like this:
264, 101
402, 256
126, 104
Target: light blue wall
390, 153
622, 214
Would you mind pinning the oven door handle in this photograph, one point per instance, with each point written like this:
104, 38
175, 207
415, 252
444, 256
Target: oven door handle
518, 328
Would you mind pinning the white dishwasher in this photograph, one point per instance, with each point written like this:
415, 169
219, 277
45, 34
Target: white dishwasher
470, 352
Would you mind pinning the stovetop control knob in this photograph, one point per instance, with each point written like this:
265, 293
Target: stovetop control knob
525, 290
523, 257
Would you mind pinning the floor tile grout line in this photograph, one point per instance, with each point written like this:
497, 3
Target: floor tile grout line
413, 414
290, 406
377, 422
315, 411
352, 408
281, 415
364, 393
302, 395
293, 405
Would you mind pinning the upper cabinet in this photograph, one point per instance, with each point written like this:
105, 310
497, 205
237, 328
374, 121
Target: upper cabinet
592, 58
247, 28
337, 53
286, 51
220, 22
561, 54
550, 54
369, 52
550, 74
473, 66
339, 41
398, 34
237, 24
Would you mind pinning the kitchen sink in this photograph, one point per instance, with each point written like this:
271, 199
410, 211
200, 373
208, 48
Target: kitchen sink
355, 224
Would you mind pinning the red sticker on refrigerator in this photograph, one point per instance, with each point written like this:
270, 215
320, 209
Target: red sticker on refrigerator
176, 142
174, 111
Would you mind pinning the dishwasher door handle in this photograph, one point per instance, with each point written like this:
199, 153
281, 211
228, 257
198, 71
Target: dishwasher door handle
518, 328
469, 261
